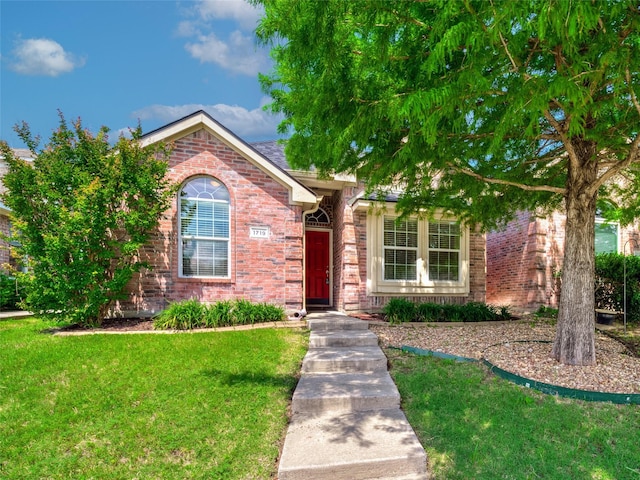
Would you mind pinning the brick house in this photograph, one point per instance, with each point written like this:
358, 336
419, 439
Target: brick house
245, 225
525, 259
5, 222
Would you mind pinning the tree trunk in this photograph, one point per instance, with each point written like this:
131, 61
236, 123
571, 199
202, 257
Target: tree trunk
575, 334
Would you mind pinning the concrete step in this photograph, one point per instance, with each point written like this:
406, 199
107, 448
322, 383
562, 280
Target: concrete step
337, 323
354, 446
344, 360
343, 338
323, 392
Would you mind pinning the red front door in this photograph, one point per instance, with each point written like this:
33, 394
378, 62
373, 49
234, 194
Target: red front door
317, 268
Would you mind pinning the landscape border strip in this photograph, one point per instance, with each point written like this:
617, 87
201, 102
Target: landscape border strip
588, 395
232, 328
547, 388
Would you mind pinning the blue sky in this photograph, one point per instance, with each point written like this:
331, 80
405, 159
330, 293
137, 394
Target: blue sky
112, 62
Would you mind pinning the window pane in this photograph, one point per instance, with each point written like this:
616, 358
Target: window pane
221, 220
205, 188
412, 240
444, 266
187, 214
205, 258
444, 251
389, 239
400, 254
400, 264
606, 238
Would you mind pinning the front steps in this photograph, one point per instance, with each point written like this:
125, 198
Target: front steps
347, 422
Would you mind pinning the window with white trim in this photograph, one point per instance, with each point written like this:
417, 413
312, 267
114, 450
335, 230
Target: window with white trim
415, 256
204, 228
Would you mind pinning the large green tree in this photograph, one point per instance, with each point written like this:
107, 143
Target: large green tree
482, 108
81, 211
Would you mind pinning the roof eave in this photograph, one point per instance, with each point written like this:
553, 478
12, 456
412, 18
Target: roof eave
299, 194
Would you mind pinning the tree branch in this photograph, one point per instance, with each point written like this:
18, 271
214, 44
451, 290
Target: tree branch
573, 157
521, 186
634, 99
633, 157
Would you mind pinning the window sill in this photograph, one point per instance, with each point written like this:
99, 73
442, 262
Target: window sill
204, 279
426, 290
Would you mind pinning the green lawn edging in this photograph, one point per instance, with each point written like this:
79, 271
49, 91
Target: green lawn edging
547, 388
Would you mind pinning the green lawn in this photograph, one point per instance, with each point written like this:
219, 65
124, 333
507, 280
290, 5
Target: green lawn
202, 405
474, 425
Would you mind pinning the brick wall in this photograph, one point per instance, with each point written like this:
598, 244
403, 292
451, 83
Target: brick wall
350, 254
5, 249
262, 270
524, 261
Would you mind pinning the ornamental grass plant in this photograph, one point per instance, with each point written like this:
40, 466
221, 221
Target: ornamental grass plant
190, 314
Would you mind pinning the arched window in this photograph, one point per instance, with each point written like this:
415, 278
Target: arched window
204, 228
319, 216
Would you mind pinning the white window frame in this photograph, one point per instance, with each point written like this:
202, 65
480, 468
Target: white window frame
423, 285
212, 238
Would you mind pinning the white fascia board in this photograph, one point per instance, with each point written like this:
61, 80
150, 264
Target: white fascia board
298, 193
335, 182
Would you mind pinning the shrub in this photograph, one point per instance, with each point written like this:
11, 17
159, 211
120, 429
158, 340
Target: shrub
9, 296
218, 314
609, 291
244, 313
431, 312
400, 310
81, 212
183, 315
478, 312
546, 312
189, 314
266, 312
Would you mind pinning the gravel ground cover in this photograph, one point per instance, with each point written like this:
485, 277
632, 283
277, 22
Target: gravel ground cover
523, 348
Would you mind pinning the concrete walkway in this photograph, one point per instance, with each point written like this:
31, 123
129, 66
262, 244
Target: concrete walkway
346, 419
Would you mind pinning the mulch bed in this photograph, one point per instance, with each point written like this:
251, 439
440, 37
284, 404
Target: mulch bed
115, 324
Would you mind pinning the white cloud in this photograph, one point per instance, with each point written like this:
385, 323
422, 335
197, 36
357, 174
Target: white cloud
242, 12
247, 124
187, 28
42, 56
239, 54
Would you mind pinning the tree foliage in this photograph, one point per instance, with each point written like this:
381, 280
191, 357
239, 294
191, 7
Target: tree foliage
481, 108
81, 211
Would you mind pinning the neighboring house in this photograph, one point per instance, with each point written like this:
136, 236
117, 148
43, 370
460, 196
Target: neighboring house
5, 222
245, 225
524, 261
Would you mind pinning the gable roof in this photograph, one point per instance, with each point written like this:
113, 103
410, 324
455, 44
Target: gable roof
274, 151
298, 193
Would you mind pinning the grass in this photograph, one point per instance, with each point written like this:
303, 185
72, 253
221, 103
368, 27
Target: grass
475, 425
206, 405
